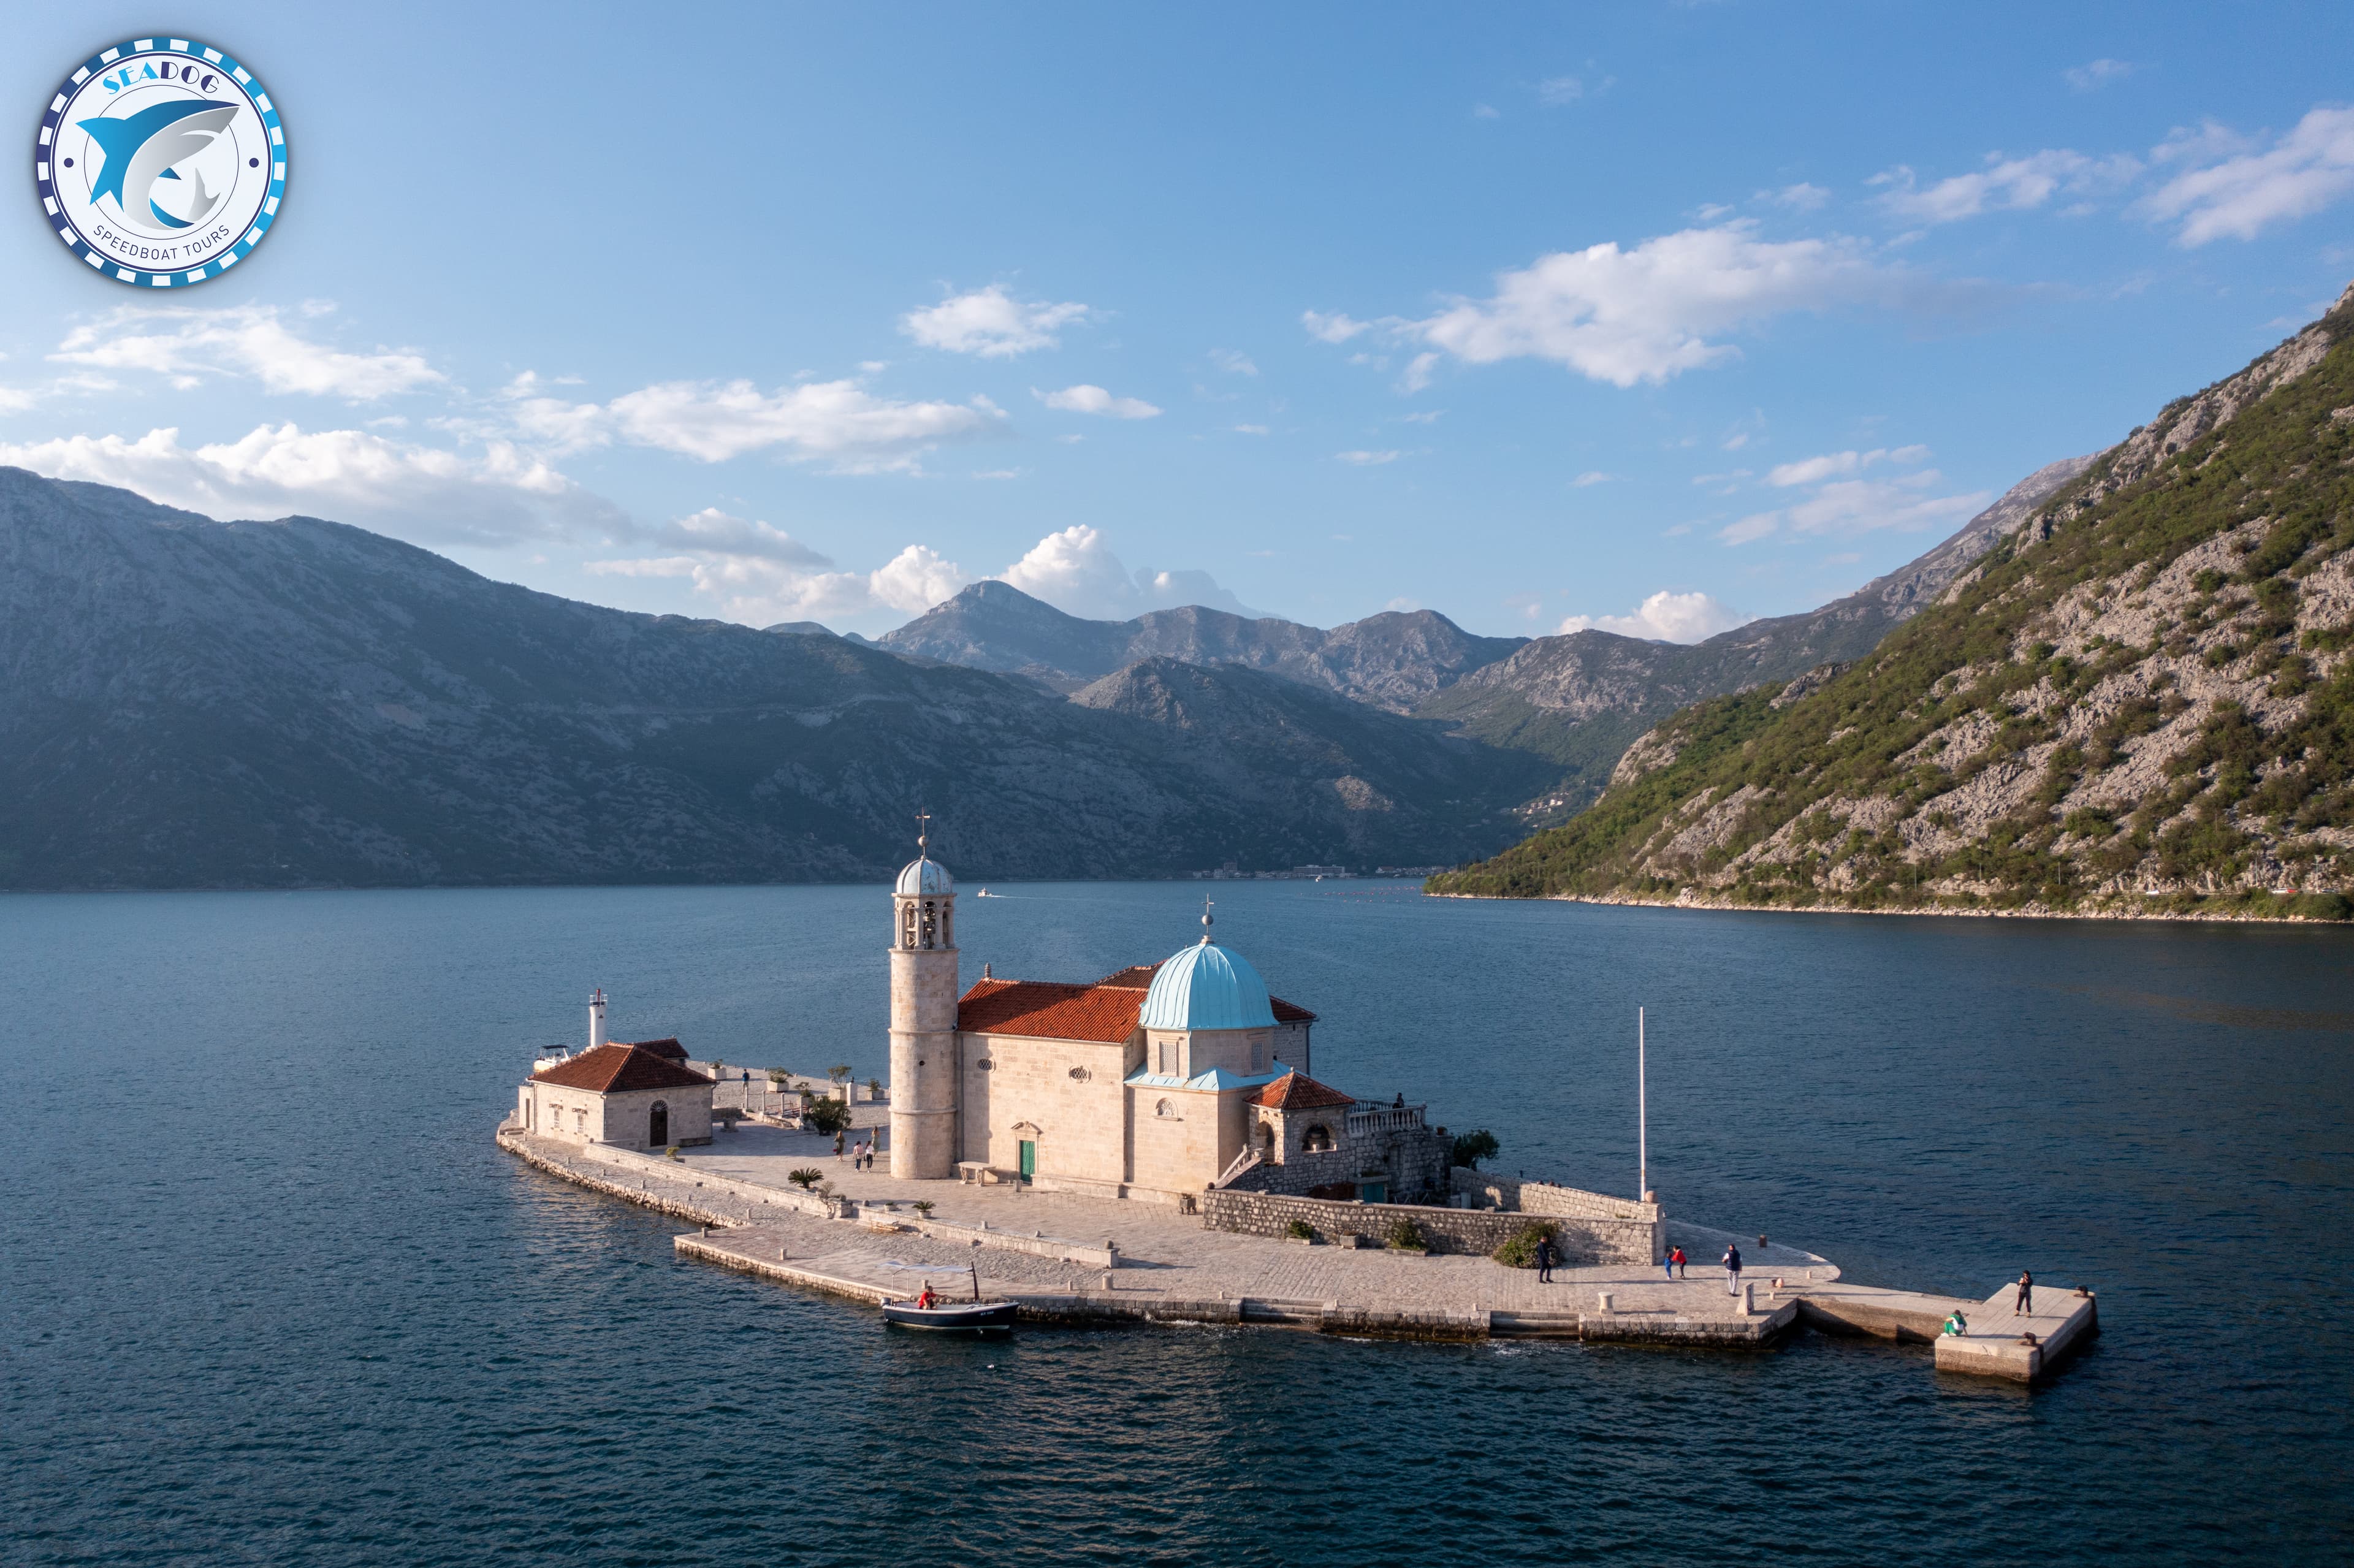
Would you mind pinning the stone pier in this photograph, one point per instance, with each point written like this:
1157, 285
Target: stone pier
1073, 1259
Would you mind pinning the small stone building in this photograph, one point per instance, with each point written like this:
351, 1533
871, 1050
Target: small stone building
636, 1096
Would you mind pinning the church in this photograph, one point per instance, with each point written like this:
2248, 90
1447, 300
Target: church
1157, 1082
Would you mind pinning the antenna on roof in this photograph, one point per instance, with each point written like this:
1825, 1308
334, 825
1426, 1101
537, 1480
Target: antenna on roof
1205, 920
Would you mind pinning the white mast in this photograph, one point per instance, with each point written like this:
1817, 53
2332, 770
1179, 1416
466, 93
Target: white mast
1642, 1116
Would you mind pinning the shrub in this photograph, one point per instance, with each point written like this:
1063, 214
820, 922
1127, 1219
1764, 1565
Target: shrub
825, 1116
780, 1077
1301, 1230
671, 1152
924, 1206
1475, 1146
1404, 1236
806, 1177
1520, 1251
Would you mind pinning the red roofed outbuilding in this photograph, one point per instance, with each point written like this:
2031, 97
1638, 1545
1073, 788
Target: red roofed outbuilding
637, 1096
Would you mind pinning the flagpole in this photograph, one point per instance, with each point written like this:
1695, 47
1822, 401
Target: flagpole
1642, 1114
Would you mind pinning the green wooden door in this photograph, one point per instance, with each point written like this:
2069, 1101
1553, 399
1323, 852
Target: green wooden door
1029, 1159
1374, 1192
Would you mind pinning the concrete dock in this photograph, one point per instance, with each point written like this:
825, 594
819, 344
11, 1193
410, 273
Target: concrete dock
1073, 1259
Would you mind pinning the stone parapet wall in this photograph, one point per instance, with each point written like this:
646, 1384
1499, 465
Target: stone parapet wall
1612, 1230
1271, 1215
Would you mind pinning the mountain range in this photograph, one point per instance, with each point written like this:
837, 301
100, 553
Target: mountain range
195, 702
2141, 700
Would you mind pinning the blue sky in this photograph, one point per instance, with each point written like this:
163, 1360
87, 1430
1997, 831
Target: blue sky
1651, 316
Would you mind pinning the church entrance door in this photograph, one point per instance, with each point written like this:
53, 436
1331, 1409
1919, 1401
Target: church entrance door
1374, 1192
658, 1124
1029, 1159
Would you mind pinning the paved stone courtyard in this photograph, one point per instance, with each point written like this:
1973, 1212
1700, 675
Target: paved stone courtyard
1163, 1253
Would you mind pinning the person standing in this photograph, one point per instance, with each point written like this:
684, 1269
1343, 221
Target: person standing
1544, 1260
1731, 1268
1668, 1263
837, 1145
1682, 1263
2025, 1305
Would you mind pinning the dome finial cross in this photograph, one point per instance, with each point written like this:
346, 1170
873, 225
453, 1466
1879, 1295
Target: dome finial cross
1205, 918
923, 833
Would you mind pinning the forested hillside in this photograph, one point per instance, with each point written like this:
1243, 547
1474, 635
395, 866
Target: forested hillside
2142, 701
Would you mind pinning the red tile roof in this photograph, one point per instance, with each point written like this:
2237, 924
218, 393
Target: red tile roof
1289, 1012
1048, 1009
1298, 1091
616, 1066
667, 1046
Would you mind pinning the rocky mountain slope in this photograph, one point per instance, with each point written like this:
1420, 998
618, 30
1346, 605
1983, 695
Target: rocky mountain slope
2143, 701
1391, 661
189, 703
1574, 702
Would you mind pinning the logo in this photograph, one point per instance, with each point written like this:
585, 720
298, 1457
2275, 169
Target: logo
160, 163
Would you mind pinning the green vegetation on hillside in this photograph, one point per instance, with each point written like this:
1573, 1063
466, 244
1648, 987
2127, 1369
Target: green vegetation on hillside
1851, 797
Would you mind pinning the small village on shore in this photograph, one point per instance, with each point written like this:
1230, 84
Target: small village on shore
1151, 1147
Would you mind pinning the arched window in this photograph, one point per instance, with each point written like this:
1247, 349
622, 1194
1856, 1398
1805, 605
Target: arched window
1165, 1109
931, 922
1319, 1140
948, 925
907, 923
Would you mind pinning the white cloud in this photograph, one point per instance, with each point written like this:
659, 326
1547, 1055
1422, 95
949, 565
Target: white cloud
1815, 470
2097, 74
1234, 362
1665, 618
1418, 373
2309, 168
1844, 504
1649, 314
2004, 185
759, 575
991, 323
1485, 112
1560, 89
1084, 398
1592, 476
1336, 327
1800, 197
1368, 458
838, 422
186, 344
1076, 572
1250, 429
424, 495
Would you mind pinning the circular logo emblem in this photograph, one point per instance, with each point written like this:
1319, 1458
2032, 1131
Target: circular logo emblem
160, 161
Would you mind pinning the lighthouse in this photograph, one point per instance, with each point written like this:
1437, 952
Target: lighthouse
596, 1018
923, 1018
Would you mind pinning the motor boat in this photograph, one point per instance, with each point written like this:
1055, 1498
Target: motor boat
970, 1317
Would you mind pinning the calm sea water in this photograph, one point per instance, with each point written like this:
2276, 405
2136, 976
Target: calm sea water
268, 1294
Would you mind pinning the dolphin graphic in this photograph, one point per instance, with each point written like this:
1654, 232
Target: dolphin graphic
141, 148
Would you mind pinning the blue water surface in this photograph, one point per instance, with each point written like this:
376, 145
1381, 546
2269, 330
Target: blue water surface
268, 1294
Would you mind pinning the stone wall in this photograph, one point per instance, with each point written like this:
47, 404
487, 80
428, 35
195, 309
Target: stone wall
1271, 1213
1613, 1230
1413, 1161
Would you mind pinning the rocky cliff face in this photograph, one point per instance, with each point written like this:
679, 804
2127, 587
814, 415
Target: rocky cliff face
1390, 661
189, 703
2142, 700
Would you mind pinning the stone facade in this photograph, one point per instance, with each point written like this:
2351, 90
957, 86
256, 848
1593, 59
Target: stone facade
1067, 1099
626, 1118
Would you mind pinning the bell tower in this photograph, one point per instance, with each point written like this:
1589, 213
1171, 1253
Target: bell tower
924, 1017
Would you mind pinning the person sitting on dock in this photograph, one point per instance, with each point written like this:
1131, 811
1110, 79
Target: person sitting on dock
1957, 1325
1731, 1268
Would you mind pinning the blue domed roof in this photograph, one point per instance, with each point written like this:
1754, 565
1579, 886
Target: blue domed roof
924, 875
1206, 987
